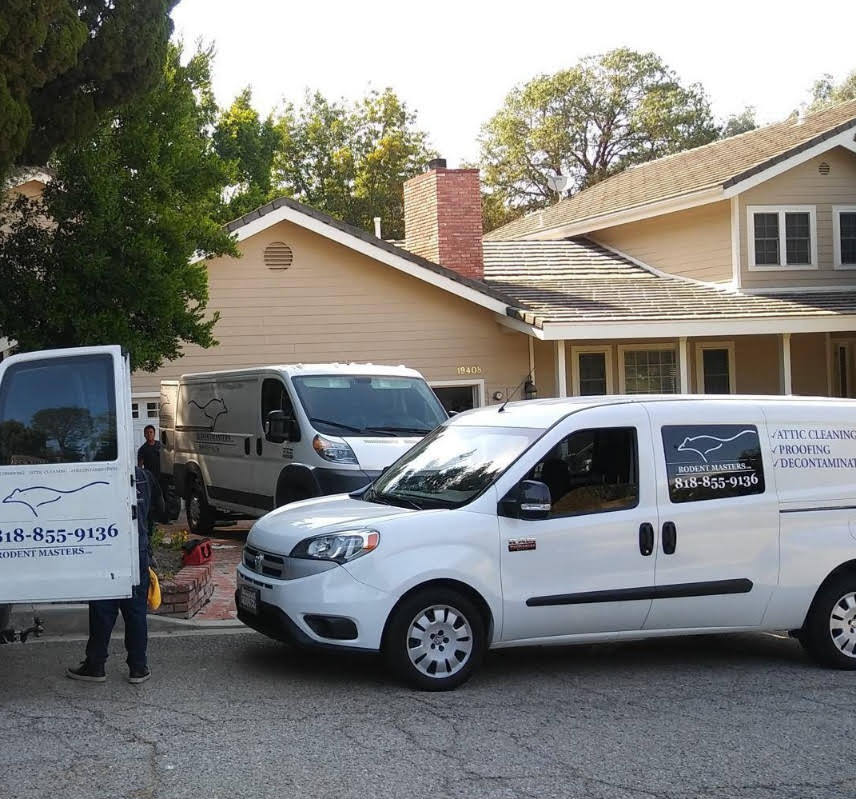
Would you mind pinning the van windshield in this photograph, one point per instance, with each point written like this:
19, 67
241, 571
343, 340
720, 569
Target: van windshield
342, 405
450, 467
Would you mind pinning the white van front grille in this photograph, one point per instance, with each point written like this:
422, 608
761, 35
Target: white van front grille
265, 563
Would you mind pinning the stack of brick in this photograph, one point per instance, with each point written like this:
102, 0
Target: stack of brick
186, 593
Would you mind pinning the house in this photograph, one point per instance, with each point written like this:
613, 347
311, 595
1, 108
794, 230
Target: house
727, 268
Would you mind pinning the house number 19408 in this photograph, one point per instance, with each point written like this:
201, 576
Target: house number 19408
469, 370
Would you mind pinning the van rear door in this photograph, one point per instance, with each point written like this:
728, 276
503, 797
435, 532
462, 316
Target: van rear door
66, 476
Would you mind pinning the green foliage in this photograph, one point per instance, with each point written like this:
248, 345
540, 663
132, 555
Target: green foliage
128, 209
349, 160
826, 92
605, 114
739, 123
248, 145
65, 63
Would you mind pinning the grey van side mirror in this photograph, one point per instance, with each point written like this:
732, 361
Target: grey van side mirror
280, 427
529, 500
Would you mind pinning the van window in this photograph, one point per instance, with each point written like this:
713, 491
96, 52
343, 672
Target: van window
58, 411
712, 461
275, 398
592, 471
380, 405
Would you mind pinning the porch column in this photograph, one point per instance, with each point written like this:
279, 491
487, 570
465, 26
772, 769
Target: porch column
786, 383
683, 365
531, 359
561, 370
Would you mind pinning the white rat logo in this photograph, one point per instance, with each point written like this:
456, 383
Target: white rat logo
213, 409
704, 445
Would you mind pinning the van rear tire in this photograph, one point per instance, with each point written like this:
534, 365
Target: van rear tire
829, 635
200, 515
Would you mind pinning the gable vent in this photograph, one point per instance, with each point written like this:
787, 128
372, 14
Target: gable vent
823, 168
278, 256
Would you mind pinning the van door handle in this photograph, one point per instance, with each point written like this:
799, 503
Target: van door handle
670, 538
246, 446
646, 538
259, 446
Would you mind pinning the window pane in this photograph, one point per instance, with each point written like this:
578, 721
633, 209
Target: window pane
592, 370
650, 372
766, 239
58, 411
592, 471
712, 461
715, 371
798, 238
848, 237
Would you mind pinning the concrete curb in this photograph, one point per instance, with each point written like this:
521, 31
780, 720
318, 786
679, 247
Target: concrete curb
73, 619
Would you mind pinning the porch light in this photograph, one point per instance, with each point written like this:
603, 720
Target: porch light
529, 390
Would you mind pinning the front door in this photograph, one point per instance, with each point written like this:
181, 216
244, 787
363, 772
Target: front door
589, 566
66, 476
717, 546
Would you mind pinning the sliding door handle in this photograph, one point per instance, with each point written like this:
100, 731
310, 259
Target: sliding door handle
646, 538
670, 538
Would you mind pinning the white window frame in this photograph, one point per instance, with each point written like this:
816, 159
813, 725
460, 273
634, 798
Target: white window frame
837, 210
622, 348
781, 210
701, 346
606, 350
478, 383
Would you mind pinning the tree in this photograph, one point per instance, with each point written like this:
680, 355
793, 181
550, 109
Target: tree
248, 145
105, 255
825, 92
65, 63
351, 160
739, 123
588, 122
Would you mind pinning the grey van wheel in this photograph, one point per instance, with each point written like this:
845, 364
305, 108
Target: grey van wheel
435, 639
200, 515
829, 635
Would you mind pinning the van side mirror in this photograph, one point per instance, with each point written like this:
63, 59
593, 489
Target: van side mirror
529, 500
280, 427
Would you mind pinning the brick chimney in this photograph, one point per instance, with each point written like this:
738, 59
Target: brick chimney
443, 218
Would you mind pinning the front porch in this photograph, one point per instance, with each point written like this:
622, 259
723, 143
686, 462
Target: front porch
808, 364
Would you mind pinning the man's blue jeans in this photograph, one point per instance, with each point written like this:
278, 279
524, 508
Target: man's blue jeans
102, 619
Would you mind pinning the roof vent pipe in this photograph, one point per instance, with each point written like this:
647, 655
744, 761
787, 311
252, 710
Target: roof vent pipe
436, 163
377, 226
801, 114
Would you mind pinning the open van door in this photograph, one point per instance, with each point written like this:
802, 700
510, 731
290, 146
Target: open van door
67, 497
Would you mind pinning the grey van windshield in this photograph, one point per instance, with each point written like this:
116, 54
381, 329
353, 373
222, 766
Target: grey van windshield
369, 405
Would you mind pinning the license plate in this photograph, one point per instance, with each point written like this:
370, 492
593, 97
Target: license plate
248, 599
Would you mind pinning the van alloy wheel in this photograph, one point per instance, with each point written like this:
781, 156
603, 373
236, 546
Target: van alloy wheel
842, 624
439, 641
435, 638
200, 515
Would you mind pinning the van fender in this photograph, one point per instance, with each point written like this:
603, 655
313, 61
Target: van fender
849, 567
296, 481
185, 474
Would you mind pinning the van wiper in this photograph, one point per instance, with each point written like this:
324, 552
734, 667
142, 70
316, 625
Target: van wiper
415, 430
386, 499
315, 419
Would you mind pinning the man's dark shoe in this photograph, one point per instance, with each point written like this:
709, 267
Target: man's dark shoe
138, 675
87, 671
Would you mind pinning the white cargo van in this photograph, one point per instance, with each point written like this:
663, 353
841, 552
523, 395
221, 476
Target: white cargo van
241, 443
67, 499
577, 520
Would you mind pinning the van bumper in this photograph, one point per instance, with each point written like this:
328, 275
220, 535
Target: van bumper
339, 481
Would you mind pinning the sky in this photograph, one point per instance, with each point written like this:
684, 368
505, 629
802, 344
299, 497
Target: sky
453, 63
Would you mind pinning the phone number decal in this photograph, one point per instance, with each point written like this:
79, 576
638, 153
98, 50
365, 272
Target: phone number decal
48, 536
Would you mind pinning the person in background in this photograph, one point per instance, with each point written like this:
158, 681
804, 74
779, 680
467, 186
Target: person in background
103, 612
149, 457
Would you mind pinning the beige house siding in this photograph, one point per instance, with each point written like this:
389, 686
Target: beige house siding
695, 243
809, 364
334, 304
803, 185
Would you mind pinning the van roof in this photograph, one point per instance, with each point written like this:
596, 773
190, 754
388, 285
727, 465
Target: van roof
544, 413
294, 369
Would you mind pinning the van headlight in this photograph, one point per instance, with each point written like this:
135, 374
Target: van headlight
334, 450
341, 547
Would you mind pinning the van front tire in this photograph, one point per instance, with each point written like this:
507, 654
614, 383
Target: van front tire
435, 640
829, 635
200, 515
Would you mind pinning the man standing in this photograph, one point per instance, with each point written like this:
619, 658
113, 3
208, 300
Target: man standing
103, 612
148, 455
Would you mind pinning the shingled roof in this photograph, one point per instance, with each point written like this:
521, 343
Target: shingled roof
558, 282
720, 164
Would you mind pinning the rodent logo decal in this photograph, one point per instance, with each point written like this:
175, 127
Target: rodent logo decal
35, 497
